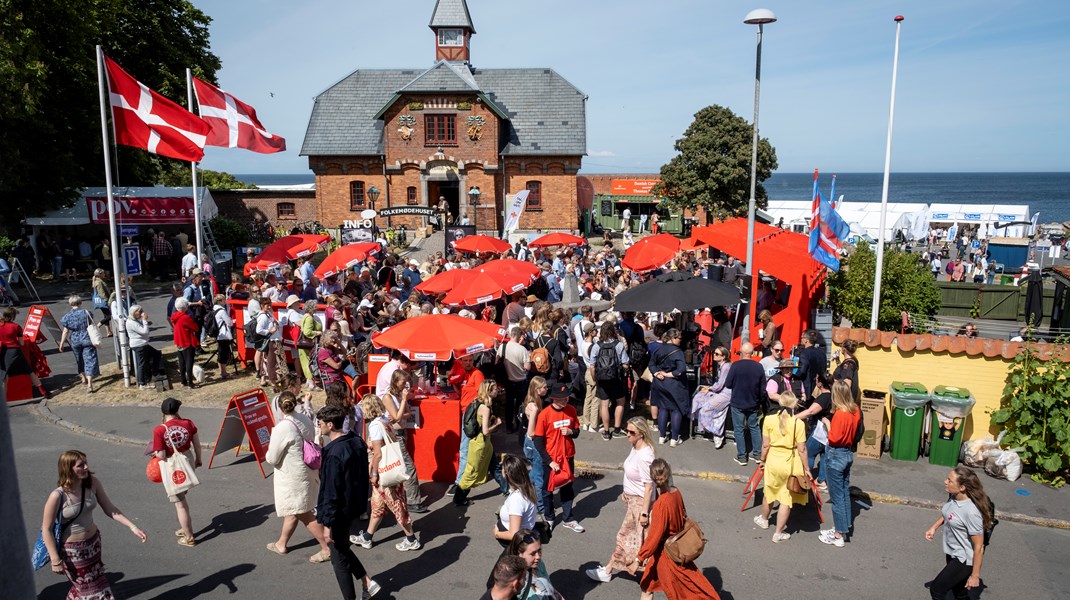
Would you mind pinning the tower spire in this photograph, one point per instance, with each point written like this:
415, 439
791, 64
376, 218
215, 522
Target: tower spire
453, 29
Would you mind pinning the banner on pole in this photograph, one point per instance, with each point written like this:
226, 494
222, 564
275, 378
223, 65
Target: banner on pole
515, 209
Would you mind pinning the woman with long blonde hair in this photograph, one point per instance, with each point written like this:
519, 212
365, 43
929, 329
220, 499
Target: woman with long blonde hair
481, 459
537, 390
843, 430
783, 455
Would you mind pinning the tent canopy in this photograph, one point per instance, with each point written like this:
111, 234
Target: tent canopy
78, 213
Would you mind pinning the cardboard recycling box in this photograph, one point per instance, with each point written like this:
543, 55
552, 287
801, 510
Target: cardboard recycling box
873, 421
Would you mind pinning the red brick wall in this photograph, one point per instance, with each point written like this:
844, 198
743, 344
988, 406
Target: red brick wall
333, 176
246, 206
559, 209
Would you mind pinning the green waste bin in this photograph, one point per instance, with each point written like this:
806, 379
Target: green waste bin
951, 406
908, 419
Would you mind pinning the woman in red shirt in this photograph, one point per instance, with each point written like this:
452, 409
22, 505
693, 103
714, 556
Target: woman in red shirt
176, 434
842, 428
12, 360
187, 340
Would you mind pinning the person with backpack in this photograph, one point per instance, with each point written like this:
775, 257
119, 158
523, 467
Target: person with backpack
638, 355
219, 325
669, 386
517, 363
481, 459
468, 377
967, 518
608, 358
843, 430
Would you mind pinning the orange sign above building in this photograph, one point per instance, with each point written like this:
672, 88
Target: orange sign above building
633, 186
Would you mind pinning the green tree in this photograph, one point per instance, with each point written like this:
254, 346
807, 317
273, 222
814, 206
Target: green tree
51, 143
177, 174
712, 169
229, 234
906, 285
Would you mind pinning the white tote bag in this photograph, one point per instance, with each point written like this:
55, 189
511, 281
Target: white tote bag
392, 464
178, 473
92, 329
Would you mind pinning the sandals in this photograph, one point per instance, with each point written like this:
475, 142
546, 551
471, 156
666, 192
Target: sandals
187, 542
320, 557
272, 547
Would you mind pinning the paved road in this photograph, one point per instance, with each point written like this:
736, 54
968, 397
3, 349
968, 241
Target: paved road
233, 517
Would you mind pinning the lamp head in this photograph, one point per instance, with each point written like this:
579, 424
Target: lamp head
760, 16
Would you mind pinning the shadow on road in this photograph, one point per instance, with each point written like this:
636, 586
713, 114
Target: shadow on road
205, 586
235, 520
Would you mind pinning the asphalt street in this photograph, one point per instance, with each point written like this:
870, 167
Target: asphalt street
233, 518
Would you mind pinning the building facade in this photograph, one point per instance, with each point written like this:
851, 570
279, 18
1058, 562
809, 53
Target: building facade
408, 137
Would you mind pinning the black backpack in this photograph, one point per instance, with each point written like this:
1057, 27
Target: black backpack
638, 356
470, 423
607, 365
210, 324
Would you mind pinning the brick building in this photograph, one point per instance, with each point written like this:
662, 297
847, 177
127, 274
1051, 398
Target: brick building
406, 137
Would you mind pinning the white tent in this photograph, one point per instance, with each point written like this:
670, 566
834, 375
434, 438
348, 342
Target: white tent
78, 213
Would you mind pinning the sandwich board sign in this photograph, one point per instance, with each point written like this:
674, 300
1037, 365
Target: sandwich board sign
248, 414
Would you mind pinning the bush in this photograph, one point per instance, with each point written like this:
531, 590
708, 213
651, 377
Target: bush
906, 285
6, 246
1035, 411
229, 234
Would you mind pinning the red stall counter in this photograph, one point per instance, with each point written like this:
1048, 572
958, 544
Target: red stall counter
435, 437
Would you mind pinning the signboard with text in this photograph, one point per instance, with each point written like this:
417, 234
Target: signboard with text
248, 414
37, 318
142, 211
640, 187
394, 211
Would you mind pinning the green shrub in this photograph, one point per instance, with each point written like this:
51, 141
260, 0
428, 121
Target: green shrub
229, 234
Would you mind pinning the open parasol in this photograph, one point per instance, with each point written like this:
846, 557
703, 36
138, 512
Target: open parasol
676, 290
511, 265
651, 252
444, 281
481, 243
296, 246
691, 244
345, 257
483, 286
266, 260
557, 238
439, 337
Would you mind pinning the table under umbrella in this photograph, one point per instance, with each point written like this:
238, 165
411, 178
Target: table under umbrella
676, 290
439, 337
345, 257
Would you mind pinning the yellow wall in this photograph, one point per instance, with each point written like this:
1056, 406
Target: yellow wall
984, 377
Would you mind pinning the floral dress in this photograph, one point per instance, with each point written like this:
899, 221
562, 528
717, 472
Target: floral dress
85, 353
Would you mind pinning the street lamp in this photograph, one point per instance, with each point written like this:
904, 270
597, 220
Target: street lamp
473, 201
373, 195
759, 17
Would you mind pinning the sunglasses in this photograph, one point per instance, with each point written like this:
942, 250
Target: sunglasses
631, 432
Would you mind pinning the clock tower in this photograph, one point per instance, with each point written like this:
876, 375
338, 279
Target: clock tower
453, 30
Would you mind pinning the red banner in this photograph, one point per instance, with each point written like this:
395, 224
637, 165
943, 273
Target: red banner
633, 186
142, 211
248, 414
39, 318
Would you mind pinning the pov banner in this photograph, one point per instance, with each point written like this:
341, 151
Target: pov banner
142, 211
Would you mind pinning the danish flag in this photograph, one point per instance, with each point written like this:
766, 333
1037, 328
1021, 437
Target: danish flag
233, 122
145, 119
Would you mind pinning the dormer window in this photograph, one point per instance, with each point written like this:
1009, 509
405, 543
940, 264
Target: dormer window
451, 37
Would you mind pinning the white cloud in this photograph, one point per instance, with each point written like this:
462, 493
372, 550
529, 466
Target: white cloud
601, 153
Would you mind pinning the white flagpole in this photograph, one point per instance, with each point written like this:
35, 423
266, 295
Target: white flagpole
193, 166
116, 250
884, 190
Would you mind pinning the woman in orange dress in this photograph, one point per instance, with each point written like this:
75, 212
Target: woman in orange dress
667, 518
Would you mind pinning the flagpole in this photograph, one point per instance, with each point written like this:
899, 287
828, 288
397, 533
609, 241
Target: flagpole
120, 318
884, 190
193, 168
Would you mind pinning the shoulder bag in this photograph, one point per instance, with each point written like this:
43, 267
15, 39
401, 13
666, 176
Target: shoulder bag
797, 484
311, 454
303, 342
39, 556
178, 474
92, 329
392, 464
688, 544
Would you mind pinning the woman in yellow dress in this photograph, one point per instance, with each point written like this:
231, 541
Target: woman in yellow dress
783, 455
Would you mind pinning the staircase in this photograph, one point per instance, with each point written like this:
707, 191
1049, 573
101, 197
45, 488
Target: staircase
211, 247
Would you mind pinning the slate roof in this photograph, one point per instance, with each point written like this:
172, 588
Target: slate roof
546, 114
451, 13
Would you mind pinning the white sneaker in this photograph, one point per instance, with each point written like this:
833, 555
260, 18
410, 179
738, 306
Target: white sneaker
662, 440
761, 522
718, 442
674, 443
781, 537
574, 526
406, 545
828, 536
361, 539
373, 589
599, 574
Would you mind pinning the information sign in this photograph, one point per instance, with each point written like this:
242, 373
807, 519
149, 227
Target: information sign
248, 414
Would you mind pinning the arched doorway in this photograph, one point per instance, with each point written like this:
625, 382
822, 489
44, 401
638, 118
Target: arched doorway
444, 181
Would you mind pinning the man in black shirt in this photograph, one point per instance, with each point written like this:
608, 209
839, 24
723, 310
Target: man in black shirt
746, 379
508, 577
343, 495
812, 361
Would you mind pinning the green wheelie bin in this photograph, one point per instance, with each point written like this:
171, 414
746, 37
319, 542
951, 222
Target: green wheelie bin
951, 406
908, 419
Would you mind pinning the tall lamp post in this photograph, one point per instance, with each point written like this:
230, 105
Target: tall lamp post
373, 195
473, 201
759, 17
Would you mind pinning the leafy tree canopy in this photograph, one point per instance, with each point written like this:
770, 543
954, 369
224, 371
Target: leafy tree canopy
51, 142
177, 174
712, 169
906, 285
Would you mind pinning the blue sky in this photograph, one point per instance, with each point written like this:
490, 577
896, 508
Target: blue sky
982, 84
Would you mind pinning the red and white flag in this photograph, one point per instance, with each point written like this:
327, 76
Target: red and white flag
145, 119
234, 123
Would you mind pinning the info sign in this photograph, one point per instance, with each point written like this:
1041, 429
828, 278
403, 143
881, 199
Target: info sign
248, 414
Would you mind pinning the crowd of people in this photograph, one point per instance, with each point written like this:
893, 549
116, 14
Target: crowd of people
560, 372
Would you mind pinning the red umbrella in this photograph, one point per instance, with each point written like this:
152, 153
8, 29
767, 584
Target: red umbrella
483, 286
511, 265
647, 256
345, 257
439, 337
266, 260
296, 246
481, 243
661, 239
444, 281
693, 244
557, 239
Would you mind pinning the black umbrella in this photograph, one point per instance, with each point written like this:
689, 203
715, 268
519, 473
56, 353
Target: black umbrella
1034, 300
678, 290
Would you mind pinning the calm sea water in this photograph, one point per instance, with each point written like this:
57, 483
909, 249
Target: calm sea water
1048, 193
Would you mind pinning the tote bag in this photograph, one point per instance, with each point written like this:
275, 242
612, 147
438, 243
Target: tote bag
92, 329
178, 474
392, 464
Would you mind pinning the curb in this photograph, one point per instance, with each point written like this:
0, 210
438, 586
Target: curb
858, 494
45, 413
